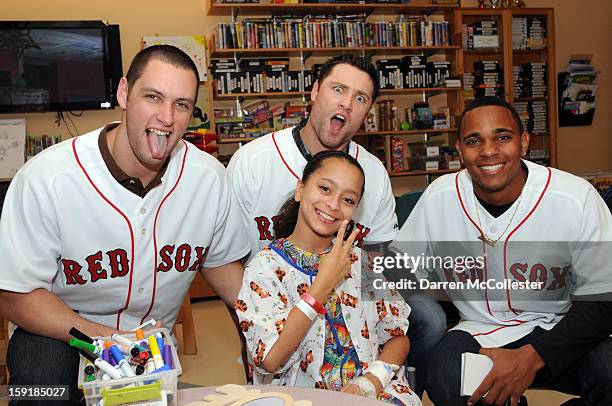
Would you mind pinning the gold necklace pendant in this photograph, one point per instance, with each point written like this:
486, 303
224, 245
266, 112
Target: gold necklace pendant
487, 240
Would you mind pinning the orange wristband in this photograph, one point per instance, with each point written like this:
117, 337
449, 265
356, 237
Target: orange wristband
314, 303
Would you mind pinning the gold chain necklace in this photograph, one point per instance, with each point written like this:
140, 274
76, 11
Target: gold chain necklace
485, 238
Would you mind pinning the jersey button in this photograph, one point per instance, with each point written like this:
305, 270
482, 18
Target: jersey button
143, 231
143, 210
140, 290
493, 229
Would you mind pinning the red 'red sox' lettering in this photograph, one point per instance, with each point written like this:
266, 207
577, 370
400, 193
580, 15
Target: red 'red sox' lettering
117, 262
263, 226
265, 231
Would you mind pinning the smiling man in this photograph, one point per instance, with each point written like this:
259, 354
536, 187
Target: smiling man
106, 230
265, 172
530, 224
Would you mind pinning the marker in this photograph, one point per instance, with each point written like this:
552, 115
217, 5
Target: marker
138, 361
84, 337
112, 361
140, 334
89, 368
75, 342
119, 339
145, 324
106, 355
80, 335
159, 337
136, 350
168, 356
157, 358
103, 365
140, 369
123, 364
150, 366
144, 355
105, 377
90, 378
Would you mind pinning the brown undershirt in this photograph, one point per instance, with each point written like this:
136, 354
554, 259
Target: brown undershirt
134, 185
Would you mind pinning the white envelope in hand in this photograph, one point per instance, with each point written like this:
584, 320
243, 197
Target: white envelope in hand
474, 369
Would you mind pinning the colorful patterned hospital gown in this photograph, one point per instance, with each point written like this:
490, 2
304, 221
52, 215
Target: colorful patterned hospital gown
271, 286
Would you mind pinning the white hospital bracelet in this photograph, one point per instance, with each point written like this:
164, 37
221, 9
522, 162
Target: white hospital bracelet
306, 309
366, 386
383, 371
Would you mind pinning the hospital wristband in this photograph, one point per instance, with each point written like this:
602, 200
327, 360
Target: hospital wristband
314, 303
306, 309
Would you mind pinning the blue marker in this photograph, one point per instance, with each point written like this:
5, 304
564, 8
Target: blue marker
123, 364
103, 365
160, 341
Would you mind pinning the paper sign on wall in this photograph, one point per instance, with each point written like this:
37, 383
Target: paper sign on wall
192, 45
12, 146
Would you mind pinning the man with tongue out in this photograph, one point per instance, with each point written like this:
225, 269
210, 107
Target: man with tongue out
106, 230
265, 172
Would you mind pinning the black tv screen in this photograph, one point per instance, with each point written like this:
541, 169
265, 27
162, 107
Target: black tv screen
58, 65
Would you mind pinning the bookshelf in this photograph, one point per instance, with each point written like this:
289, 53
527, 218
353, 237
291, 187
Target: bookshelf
526, 58
308, 49
418, 90
414, 7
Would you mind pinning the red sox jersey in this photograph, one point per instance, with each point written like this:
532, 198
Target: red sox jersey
112, 256
264, 173
555, 235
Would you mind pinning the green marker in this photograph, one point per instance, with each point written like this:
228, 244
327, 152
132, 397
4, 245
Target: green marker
80, 344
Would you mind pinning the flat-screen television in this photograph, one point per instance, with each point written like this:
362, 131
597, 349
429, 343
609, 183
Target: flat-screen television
58, 65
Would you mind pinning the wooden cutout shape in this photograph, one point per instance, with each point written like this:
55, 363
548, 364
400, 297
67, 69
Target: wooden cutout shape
237, 395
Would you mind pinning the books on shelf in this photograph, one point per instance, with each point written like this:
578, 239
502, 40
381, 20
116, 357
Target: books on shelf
529, 80
488, 79
331, 31
234, 1
539, 156
528, 32
259, 76
480, 35
36, 144
413, 72
468, 85
533, 115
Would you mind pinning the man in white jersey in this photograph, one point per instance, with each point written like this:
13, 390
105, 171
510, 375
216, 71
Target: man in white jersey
106, 230
529, 225
264, 173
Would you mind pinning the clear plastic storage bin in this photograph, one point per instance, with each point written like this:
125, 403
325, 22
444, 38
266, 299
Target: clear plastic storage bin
155, 389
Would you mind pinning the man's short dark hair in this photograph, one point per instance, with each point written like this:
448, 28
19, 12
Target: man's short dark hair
359, 62
491, 101
164, 53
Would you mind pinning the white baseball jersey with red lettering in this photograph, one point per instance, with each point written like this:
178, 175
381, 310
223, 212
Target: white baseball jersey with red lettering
68, 226
556, 234
264, 174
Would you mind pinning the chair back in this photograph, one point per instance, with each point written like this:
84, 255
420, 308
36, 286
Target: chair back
404, 205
